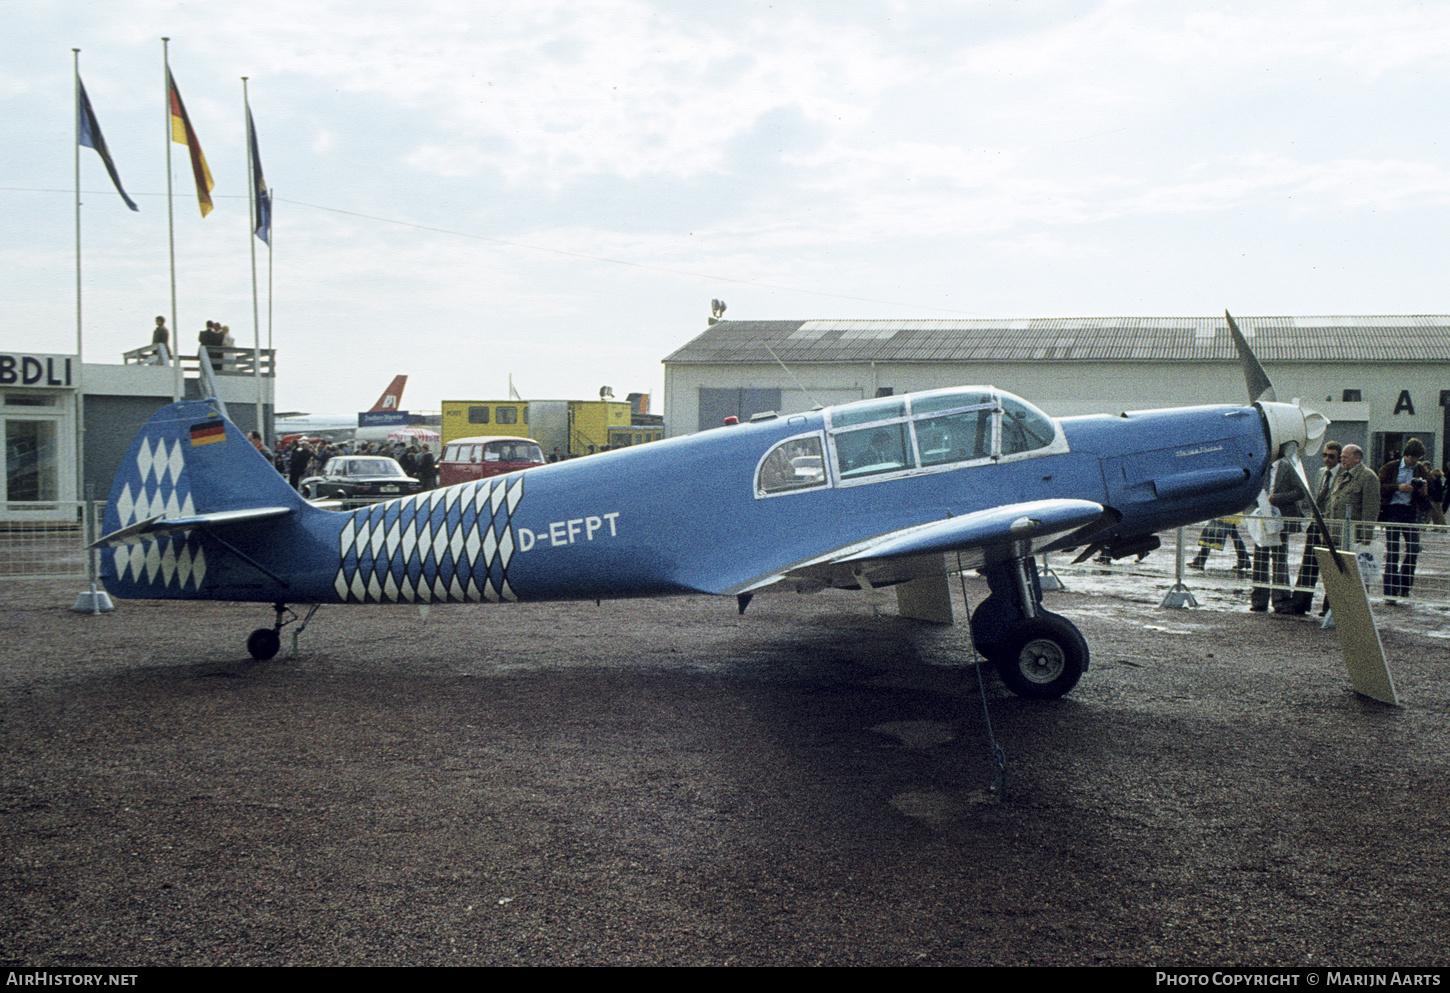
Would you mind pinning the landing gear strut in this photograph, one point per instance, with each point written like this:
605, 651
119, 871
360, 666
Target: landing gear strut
1037, 653
264, 643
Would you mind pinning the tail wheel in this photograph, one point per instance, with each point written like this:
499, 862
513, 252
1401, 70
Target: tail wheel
263, 644
1042, 657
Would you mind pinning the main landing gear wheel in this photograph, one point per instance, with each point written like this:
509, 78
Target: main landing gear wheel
263, 644
1042, 657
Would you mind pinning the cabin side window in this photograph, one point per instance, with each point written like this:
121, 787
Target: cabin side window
956, 427
874, 450
792, 465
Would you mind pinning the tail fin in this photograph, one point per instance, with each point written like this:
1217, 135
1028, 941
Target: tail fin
392, 398
188, 470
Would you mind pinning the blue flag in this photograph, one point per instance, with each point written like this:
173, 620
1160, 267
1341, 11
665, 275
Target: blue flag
262, 213
90, 136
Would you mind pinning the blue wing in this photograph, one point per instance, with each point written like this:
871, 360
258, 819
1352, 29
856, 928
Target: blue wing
1011, 531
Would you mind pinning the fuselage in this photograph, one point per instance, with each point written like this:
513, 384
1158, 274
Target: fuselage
706, 513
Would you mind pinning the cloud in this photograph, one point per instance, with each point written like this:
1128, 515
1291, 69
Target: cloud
550, 92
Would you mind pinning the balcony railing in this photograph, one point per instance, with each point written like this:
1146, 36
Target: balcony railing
224, 361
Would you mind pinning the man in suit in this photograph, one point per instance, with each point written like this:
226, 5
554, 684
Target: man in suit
1303, 597
211, 336
1404, 496
1354, 493
1357, 492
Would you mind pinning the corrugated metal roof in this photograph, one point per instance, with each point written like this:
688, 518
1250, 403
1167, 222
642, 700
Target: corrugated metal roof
1421, 338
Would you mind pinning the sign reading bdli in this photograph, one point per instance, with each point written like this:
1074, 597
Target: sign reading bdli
42, 371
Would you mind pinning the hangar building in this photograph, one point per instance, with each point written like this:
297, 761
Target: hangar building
1380, 379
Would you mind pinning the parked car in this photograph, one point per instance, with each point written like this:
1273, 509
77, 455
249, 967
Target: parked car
360, 477
468, 459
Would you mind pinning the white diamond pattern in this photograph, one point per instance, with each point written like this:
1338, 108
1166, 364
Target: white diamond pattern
160, 488
452, 544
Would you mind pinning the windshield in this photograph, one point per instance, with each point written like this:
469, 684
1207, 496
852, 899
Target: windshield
370, 467
513, 451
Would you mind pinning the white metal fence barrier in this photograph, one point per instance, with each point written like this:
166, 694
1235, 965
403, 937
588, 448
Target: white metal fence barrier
1219, 554
50, 548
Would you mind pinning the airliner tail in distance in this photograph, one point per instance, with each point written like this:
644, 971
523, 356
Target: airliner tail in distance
337, 427
392, 398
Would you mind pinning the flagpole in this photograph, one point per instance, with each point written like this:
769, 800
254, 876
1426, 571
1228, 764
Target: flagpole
171, 228
78, 380
271, 234
93, 601
252, 246
76, 67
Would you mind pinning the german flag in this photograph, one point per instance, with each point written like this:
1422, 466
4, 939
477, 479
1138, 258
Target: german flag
207, 433
183, 134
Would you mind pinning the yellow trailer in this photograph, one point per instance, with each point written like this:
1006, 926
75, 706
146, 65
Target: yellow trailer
591, 421
468, 418
574, 427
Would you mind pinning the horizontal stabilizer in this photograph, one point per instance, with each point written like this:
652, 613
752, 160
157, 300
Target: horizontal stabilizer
155, 527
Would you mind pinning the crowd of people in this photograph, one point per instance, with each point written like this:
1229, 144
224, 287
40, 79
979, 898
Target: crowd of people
214, 334
1405, 494
302, 459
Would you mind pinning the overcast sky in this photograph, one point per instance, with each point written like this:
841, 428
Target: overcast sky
468, 189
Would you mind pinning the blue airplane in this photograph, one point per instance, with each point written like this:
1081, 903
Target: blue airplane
900, 490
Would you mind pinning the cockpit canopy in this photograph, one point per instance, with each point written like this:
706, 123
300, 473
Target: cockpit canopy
915, 432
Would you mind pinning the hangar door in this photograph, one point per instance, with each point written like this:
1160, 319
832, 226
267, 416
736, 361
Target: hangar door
794, 401
718, 403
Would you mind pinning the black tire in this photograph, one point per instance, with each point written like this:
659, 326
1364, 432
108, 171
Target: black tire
1042, 658
263, 644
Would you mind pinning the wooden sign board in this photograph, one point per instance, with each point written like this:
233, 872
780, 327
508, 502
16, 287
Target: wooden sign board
1364, 654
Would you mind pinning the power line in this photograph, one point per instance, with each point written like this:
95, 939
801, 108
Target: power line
623, 262
555, 251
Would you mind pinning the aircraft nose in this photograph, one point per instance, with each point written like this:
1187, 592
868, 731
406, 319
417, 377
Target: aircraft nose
1293, 423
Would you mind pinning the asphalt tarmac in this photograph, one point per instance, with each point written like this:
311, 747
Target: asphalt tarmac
669, 783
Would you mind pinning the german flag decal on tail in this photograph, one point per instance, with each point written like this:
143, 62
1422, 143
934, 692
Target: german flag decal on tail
208, 432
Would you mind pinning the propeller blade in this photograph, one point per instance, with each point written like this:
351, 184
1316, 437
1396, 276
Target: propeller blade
1254, 376
1291, 452
1285, 419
